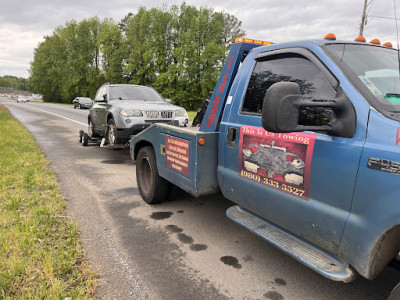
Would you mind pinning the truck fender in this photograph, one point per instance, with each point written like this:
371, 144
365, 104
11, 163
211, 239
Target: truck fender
138, 146
386, 248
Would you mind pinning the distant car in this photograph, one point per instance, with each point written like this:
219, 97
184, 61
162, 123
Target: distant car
82, 102
22, 99
128, 109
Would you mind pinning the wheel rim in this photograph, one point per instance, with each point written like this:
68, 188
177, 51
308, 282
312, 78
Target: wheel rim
111, 134
145, 175
90, 129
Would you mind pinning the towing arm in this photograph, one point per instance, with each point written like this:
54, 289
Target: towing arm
236, 55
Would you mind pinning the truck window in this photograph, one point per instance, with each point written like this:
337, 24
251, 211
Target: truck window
375, 72
294, 68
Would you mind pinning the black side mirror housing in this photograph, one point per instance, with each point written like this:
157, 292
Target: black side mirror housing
282, 105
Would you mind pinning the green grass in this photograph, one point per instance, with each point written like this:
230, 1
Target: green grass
191, 114
41, 256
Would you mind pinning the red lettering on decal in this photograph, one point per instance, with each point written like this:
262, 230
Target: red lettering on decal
398, 136
223, 83
221, 89
230, 62
213, 111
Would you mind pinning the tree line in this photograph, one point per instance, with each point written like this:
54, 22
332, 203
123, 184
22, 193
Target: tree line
18, 83
178, 50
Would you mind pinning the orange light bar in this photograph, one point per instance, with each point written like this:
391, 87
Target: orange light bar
388, 44
360, 39
330, 36
251, 41
375, 41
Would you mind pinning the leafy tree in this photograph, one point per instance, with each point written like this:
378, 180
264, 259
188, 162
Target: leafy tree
81, 71
232, 29
46, 68
178, 50
112, 49
14, 82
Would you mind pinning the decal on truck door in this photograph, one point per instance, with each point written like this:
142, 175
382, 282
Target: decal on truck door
178, 155
278, 160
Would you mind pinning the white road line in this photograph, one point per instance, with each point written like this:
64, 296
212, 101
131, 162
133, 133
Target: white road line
57, 115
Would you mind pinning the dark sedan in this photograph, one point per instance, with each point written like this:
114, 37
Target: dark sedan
82, 102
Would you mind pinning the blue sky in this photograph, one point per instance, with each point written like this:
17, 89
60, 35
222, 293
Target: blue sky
24, 23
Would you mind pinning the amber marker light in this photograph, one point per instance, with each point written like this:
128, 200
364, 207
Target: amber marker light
360, 39
251, 41
201, 141
388, 44
330, 36
375, 42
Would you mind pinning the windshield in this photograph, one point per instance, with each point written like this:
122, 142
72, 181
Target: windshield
374, 70
133, 93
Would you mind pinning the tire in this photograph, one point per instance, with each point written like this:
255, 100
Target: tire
395, 294
91, 131
112, 133
85, 139
152, 187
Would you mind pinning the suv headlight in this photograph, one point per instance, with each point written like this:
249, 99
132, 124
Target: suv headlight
181, 113
131, 113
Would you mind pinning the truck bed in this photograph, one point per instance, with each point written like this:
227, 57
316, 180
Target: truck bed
180, 158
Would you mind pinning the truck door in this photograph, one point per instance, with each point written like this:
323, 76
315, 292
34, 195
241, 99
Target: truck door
303, 181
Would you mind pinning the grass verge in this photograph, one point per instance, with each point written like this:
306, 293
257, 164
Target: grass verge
41, 256
191, 114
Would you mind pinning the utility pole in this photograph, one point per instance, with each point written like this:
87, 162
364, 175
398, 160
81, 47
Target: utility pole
363, 18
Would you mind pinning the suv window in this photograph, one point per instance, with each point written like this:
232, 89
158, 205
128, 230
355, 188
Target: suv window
289, 67
100, 94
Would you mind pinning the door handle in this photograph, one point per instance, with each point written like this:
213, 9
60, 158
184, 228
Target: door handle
231, 137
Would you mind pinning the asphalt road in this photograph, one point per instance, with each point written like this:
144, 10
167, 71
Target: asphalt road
181, 249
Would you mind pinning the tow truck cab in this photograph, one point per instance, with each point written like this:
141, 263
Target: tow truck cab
305, 139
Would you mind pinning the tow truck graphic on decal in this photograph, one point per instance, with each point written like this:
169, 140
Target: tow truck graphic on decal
274, 160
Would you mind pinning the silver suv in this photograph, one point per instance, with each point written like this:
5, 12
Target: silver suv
122, 110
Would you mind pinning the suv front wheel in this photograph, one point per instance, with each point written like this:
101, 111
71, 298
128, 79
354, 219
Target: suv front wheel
91, 131
112, 133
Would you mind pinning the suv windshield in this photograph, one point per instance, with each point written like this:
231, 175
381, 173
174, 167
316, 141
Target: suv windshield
132, 92
375, 72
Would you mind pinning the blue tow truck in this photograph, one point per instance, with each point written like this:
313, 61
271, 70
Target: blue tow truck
305, 138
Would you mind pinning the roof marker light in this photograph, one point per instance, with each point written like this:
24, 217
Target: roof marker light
330, 36
388, 44
375, 41
360, 39
251, 41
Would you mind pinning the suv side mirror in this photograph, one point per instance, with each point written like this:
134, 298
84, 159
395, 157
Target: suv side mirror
283, 103
101, 99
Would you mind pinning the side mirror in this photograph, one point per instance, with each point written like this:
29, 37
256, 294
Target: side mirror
283, 104
168, 100
101, 99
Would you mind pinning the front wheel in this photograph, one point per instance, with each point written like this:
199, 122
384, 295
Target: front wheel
395, 294
152, 187
91, 131
112, 133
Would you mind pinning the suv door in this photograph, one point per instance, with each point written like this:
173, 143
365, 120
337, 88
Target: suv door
303, 182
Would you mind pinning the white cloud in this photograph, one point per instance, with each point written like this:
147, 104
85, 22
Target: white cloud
24, 23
